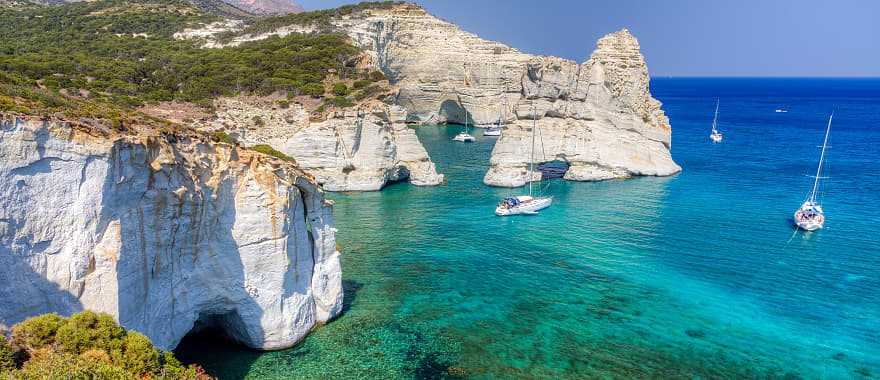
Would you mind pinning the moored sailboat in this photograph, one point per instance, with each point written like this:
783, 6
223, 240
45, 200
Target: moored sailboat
495, 130
810, 216
525, 204
464, 136
716, 136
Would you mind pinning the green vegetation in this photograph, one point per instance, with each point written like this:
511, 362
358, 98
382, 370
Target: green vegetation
320, 19
340, 89
368, 92
223, 137
266, 149
376, 76
359, 84
116, 55
87, 345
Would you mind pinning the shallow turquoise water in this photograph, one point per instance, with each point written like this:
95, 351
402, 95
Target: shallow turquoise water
693, 276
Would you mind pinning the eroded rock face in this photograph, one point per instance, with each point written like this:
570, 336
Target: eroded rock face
599, 116
164, 232
362, 148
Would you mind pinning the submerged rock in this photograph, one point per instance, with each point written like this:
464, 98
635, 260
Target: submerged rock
164, 232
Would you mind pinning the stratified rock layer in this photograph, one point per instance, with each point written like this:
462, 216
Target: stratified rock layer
165, 232
361, 148
598, 116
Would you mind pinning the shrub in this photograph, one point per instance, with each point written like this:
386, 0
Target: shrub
139, 355
266, 149
223, 137
87, 345
258, 121
7, 355
368, 92
361, 84
342, 102
88, 330
37, 332
340, 89
315, 90
376, 76
284, 103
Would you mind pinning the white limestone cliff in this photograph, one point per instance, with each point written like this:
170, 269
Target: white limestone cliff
598, 116
166, 232
361, 148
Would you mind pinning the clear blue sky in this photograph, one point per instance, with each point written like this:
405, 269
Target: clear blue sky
685, 37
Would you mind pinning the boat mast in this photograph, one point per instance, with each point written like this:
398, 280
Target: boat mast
532, 154
821, 159
715, 120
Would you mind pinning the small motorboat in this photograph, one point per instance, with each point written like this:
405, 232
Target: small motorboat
781, 110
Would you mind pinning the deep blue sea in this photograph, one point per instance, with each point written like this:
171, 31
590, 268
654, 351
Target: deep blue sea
699, 275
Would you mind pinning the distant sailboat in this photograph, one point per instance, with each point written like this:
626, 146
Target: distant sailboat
464, 136
495, 130
811, 216
716, 136
525, 204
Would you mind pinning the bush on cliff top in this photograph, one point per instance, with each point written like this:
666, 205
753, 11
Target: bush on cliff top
122, 53
319, 19
266, 149
86, 345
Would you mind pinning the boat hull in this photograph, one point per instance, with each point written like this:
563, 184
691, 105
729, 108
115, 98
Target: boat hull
528, 207
716, 137
464, 137
492, 133
809, 217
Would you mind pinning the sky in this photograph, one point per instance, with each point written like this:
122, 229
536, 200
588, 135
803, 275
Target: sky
806, 38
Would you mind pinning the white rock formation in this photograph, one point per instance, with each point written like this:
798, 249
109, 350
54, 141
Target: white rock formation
164, 232
362, 148
598, 116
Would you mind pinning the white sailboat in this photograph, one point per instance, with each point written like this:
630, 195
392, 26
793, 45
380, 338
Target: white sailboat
495, 130
810, 216
464, 136
716, 136
525, 204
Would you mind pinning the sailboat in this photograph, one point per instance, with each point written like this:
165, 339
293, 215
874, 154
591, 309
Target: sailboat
495, 130
525, 204
811, 216
464, 136
716, 136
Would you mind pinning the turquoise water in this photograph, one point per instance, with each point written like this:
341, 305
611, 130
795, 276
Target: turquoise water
698, 275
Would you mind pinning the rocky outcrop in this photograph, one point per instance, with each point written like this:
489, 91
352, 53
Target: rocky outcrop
598, 116
164, 231
361, 148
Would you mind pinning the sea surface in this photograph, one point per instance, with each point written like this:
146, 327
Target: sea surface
698, 275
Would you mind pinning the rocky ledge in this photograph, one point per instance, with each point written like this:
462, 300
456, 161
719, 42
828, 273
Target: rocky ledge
167, 232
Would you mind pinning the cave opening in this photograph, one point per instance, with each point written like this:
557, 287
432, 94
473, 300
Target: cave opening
212, 334
553, 169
